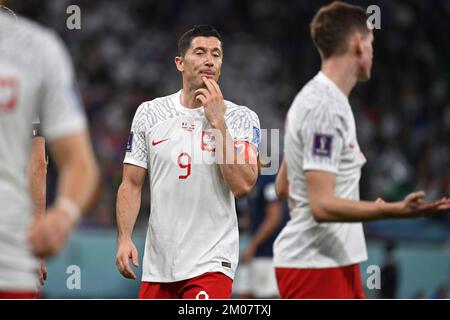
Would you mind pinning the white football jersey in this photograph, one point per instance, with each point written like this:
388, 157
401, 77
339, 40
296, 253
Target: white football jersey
36, 81
320, 135
193, 225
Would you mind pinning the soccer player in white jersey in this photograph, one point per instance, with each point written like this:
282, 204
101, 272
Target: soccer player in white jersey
317, 254
36, 81
191, 249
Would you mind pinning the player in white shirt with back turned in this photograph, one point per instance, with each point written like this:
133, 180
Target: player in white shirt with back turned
36, 81
317, 254
191, 248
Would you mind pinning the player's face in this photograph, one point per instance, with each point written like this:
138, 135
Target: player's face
202, 59
365, 62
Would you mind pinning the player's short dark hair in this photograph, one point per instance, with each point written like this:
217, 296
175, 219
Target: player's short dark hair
333, 24
203, 30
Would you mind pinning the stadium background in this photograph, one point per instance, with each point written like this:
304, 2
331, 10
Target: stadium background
123, 55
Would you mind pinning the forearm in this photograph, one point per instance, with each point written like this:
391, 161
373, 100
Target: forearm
78, 176
79, 182
282, 183
326, 207
239, 173
127, 208
38, 188
334, 209
269, 226
37, 175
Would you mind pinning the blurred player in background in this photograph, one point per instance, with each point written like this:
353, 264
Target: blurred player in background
36, 81
256, 276
191, 249
317, 254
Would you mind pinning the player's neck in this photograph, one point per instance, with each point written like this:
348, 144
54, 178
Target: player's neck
341, 72
188, 98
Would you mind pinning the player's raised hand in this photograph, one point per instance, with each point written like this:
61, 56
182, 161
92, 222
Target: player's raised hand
413, 205
212, 100
126, 250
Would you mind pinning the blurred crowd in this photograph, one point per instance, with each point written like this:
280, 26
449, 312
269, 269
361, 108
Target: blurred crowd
124, 55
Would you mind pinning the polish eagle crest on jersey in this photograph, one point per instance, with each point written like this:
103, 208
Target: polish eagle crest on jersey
208, 141
9, 90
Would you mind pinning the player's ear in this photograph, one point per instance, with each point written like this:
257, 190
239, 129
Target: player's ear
179, 62
357, 43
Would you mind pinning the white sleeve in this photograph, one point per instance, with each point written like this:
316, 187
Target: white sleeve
243, 125
61, 112
136, 150
322, 137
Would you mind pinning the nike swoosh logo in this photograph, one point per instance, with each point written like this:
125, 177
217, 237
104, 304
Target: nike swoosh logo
156, 142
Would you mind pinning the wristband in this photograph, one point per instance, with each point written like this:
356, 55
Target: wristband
70, 207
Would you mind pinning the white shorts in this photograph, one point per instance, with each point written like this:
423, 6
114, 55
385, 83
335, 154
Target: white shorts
257, 278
